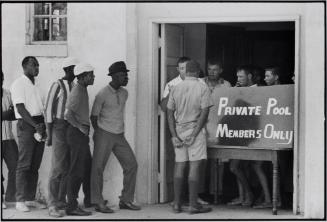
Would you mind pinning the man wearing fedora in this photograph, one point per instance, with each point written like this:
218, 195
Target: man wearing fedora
107, 118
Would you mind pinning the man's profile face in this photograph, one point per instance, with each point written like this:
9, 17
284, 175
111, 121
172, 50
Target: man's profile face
214, 71
32, 67
182, 69
121, 78
242, 78
270, 78
90, 78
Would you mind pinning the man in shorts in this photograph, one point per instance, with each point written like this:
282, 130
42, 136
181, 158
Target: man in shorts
187, 110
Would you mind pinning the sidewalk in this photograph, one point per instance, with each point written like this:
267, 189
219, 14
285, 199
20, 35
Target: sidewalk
158, 211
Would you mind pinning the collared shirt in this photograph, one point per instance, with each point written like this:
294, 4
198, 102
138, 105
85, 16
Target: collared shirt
188, 98
6, 125
172, 83
78, 104
24, 91
56, 100
109, 107
215, 84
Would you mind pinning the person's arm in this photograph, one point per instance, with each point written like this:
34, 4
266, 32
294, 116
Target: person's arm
94, 121
8, 115
163, 103
199, 125
52, 94
39, 127
177, 142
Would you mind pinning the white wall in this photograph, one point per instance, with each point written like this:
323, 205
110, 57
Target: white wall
97, 35
311, 77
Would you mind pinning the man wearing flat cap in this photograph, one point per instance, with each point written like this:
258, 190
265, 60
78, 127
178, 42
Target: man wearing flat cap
108, 122
187, 111
56, 126
77, 115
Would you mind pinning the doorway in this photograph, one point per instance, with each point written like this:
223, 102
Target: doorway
238, 43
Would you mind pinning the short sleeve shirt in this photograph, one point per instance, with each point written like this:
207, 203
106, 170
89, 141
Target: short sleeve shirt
109, 107
188, 98
6, 125
172, 83
24, 91
78, 103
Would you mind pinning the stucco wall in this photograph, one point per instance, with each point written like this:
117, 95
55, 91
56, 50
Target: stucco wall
311, 78
97, 35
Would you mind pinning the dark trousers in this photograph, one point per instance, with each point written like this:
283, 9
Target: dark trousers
9, 153
80, 159
59, 163
104, 143
30, 153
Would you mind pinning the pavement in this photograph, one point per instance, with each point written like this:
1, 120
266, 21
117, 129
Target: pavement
158, 212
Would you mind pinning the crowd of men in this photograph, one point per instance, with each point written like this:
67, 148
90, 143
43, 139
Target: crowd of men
63, 121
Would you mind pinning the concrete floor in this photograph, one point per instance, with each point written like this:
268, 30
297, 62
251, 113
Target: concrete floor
159, 211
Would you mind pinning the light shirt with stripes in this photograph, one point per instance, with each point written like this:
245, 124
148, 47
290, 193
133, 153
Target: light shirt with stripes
57, 99
24, 91
6, 125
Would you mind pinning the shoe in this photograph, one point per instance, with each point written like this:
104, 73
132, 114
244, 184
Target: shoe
53, 212
177, 208
61, 205
202, 202
89, 204
128, 206
199, 209
235, 202
35, 204
4, 206
78, 212
248, 201
103, 209
263, 205
20, 206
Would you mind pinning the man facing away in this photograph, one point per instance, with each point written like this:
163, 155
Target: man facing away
108, 122
28, 106
77, 115
188, 109
56, 126
9, 149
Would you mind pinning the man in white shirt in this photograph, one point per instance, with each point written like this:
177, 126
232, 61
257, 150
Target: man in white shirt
28, 106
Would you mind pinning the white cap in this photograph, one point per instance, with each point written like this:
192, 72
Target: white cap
82, 67
69, 61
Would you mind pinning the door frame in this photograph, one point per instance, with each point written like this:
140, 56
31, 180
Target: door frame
153, 24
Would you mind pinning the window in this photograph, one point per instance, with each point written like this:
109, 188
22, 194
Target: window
47, 23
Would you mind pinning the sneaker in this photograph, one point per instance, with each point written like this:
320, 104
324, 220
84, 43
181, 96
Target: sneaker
35, 204
199, 209
20, 206
4, 206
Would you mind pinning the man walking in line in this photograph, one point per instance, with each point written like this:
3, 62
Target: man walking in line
188, 109
56, 127
77, 115
28, 106
9, 149
108, 122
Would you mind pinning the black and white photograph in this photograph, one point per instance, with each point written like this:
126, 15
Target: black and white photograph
163, 110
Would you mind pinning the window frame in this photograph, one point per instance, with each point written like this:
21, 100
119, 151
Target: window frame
30, 15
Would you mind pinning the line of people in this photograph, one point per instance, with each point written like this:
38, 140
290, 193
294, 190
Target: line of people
63, 122
186, 99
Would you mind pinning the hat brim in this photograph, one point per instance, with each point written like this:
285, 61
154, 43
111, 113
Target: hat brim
110, 73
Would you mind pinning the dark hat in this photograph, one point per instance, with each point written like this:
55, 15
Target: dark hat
119, 66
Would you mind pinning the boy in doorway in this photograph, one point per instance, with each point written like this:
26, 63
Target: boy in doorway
187, 110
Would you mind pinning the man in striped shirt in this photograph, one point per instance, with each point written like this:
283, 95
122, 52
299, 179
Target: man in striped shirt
9, 149
56, 130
